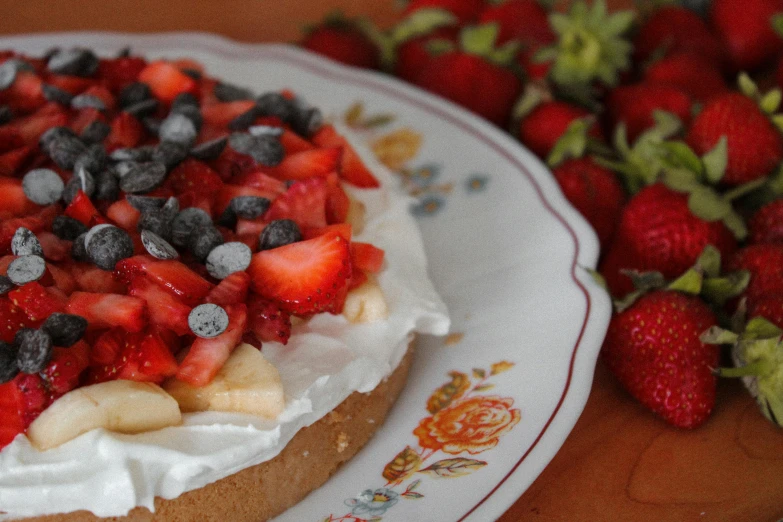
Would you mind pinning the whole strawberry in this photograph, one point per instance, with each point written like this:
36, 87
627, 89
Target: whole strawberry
595, 192
658, 231
635, 104
414, 55
746, 30
476, 75
343, 41
765, 264
654, 350
695, 75
673, 29
755, 146
766, 225
542, 127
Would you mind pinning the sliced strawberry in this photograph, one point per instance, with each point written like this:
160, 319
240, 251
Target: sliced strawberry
358, 278
33, 396
33, 299
220, 114
207, 356
165, 310
13, 202
192, 175
353, 169
11, 423
173, 276
90, 278
82, 209
126, 131
10, 138
14, 161
166, 81
231, 290
118, 72
123, 214
293, 143
63, 372
84, 118
154, 359
268, 321
261, 181
366, 256
202, 200
103, 94
109, 310
231, 164
25, 94
54, 248
309, 163
337, 202
343, 229
247, 227
107, 348
33, 126
304, 277
12, 318
71, 84
304, 202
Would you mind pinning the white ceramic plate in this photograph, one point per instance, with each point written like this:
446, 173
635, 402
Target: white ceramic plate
507, 253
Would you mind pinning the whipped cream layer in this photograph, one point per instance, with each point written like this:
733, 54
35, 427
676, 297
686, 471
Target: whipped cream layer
325, 360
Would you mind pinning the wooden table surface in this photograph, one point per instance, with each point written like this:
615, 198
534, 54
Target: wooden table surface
619, 463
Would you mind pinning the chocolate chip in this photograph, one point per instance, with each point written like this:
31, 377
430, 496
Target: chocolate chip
33, 350
156, 221
275, 104
134, 93
169, 153
87, 101
6, 285
178, 128
265, 130
228, 258
157, 247
138, 154
183, 98
65, 329
142, 108
209, 149
185, 222
66, 150
8, 72
249, 207
279, 232
108, 246
107, 187
24, 243
55, 94
203, 240
227, 92
95, 132
68, 228
145, 203
307, 121
9, 368
208, 320
43, 186
74, 62
54, 134
6, 115
244, 120
25, 269
191, 112
78, 248
266, 150
93, 159
143, 177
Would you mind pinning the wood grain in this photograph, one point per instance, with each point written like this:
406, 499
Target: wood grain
620, 462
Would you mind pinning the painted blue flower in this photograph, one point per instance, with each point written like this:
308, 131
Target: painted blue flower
425, 175
373, 502
476, 183
428, 205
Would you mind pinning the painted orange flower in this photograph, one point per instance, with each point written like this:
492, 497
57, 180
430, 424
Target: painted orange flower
473, 425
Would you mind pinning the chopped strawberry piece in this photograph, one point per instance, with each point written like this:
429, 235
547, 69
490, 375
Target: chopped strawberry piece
166, 81
25, 94
33, 395
188, 64
304, 202
12, 318
309, 163
358, 278
138, 356
5, 261
107, 348
119, 72
337, 201
33, 126
165, 310
54, 248
13, 202
207, 356
202, 200
367, 257
11, 423
82, 209
231, 290
84, 118
126, 131
221, 113
108, 310
293, 143
10, 138
35, 301
63, 372
154, 359
353, 169
231, 164
103, 94
268, 321
33, 222
304, 277
173, 276
192, 175
12, 162
71, 84
63, 280
123, 214
343, 229
261, 181
247, 227
90, 278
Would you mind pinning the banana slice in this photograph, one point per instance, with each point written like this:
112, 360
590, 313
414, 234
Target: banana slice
366, 303
121, 406
247, 383
356, 213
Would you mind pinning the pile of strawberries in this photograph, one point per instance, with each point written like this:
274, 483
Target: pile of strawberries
661, 127
90, 124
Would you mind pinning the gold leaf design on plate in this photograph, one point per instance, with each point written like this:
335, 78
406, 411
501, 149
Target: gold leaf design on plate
449, 392
452, 468
478, 373
405, 464
500, 367
397, 148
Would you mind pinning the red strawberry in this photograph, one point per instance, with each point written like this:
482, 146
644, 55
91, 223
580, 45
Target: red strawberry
153, 358
766, 225
35, 301
365, 256
746, 31
126, 131
525, 21
24, 95
315, 162
137, 356
109, 310
755, 146
657, 231
466, 11
11, 423
695, 75
414, 55
261, 181
352, 169
207, 356
33, 396
547, 122
173, 276
164, 309
268, 321
304, 202
595, 192
343, 41
343, 229
765, 264
13, 202
338, 204
71, 84
231, 290
123, 214
64, 370
10, 138
119, 72
12, 163
12, 318
769, 306
672, 29
63, 280
305, 277
654, 350
293, 143
33, 126
166, 81
220, 114
192, 175
90, 278
54, 248
634, 105
82, 209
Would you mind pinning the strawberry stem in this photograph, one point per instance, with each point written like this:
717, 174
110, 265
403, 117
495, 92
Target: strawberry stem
754, 369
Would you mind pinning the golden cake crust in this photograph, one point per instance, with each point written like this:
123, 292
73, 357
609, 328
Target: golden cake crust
267, 489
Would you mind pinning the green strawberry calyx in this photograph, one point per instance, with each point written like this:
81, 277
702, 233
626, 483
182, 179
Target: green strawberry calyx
590, 45
757, 352
769, 102
479, 40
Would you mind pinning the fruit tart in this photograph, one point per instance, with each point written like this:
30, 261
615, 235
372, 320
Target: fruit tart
207, 294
